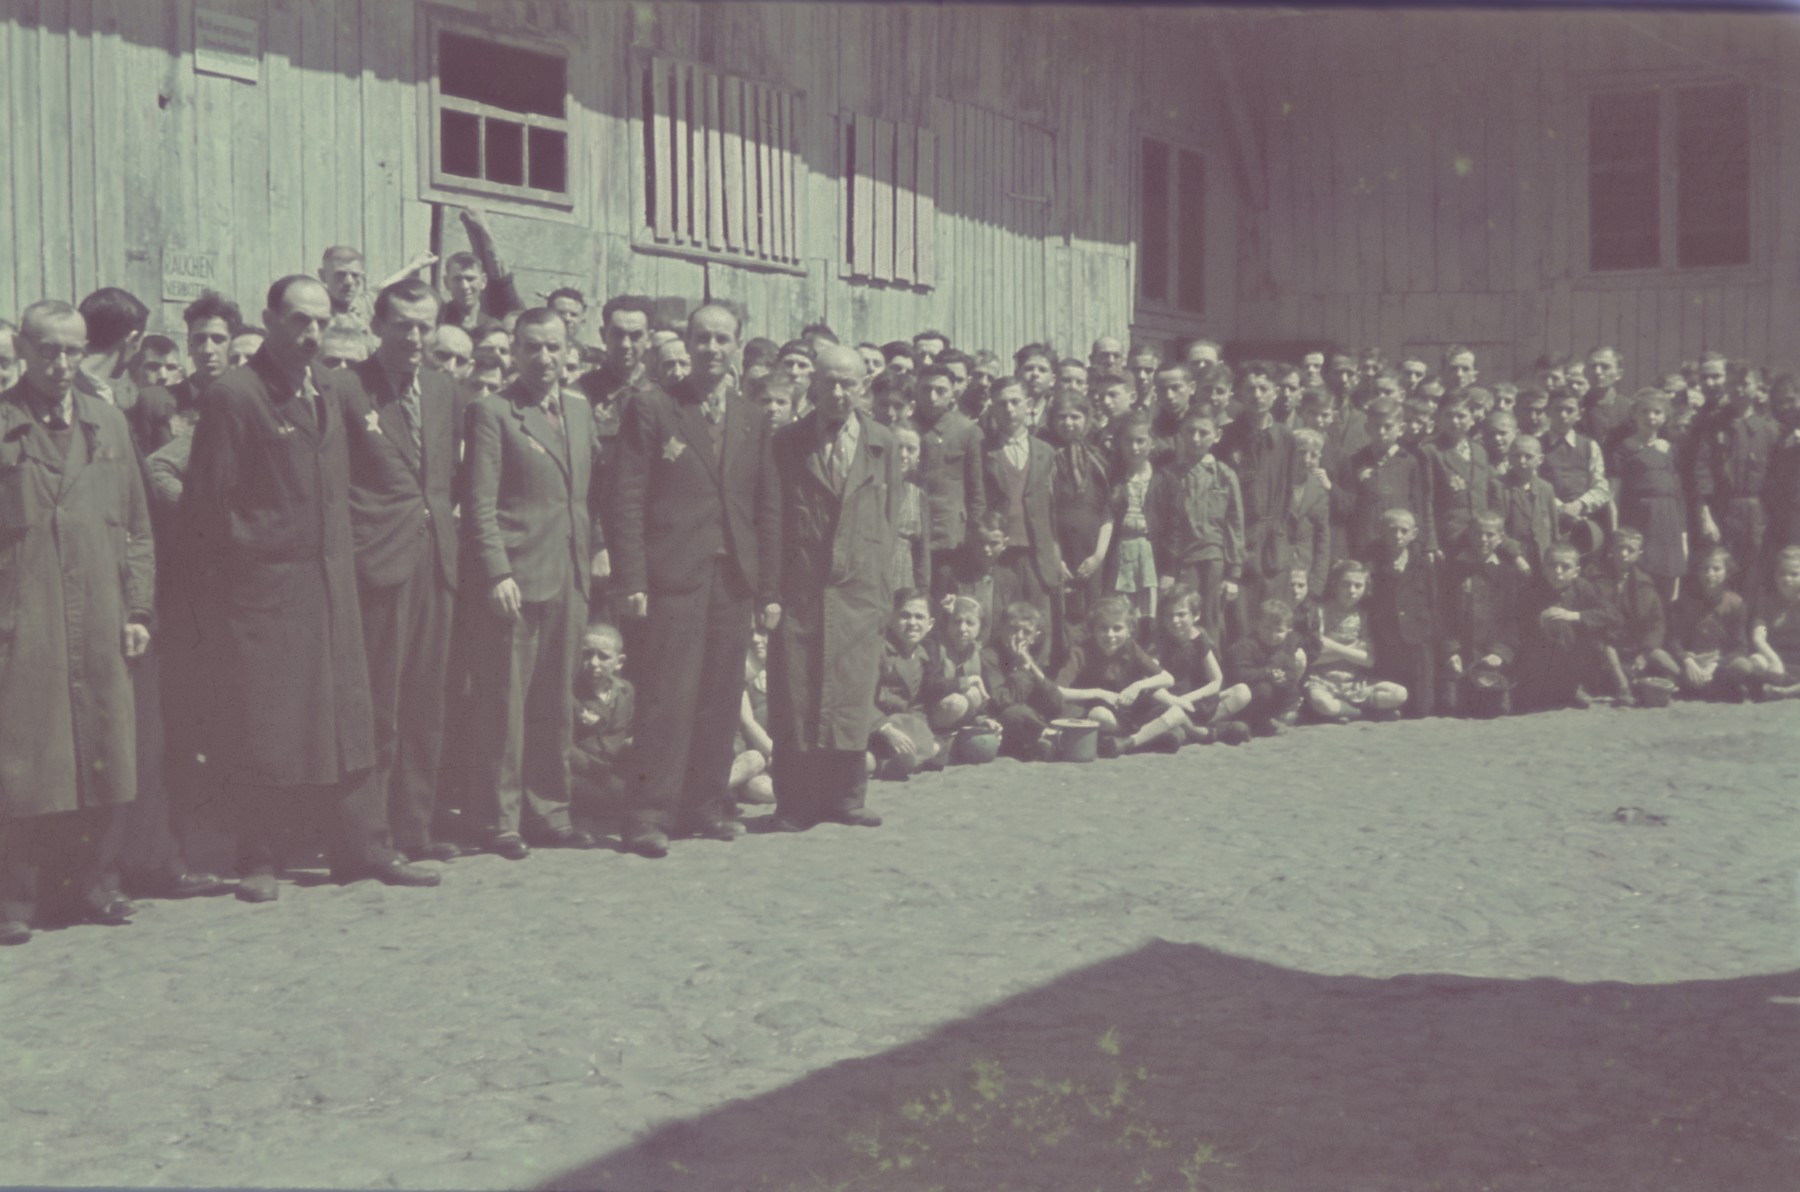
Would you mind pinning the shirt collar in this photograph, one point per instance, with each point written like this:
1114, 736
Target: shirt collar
43, 408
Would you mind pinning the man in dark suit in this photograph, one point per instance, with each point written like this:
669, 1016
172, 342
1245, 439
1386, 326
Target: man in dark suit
697, 522
404, 425
1018, 470
266, 510
531, 455
949, 471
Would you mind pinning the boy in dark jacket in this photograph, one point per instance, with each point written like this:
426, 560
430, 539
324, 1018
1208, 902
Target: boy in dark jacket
1270, 662
1403, 618
605, 704
1481, 622
1562, 628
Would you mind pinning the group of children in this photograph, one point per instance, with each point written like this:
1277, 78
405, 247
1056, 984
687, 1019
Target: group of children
1246, 550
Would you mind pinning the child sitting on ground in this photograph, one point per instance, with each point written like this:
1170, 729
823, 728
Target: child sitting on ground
1270, 662
604, 706
1020, 695
902, 741
1339, 683
1198, 692
955, 693
1562, 627
1774, 661
1634, 646
1110, 679
1708, 630
1403, 617
750, 782
1482, 623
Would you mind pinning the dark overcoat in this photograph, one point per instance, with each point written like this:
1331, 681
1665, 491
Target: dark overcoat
835, 594
76, 563
266, 514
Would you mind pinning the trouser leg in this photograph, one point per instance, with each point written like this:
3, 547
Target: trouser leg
548, 724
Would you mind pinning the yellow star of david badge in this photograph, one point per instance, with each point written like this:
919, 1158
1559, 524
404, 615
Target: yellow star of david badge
673, 448
372, 420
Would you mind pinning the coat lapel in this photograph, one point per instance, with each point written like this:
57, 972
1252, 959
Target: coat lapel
691, 425
809, 444
538, 429
862, 464
81, 443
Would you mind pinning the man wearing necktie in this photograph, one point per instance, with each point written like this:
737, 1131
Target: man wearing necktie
696, 527
77, 574
533, 541
404, 425
265, 509
839, 476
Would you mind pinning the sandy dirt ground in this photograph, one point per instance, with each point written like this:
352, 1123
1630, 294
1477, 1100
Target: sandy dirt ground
1558, 953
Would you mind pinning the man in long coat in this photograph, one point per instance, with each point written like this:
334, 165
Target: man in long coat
266, 507
840, 483
696, 520
77, 581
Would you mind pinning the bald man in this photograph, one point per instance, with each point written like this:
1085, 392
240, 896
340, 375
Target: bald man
79, 576
696, 542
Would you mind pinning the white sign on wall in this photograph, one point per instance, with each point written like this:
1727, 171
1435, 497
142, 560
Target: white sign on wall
227, 45
185, 274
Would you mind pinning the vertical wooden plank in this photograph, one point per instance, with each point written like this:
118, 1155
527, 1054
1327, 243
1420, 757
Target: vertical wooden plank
12, 296
778, 128
213, 221
347, 226
1415, 154
732, 115
714, 160
84, 216
790, 140
862, 231
51, 77
662, 160
1527, 184
906, 198
765, 171
884, 200
1498, 171
319, 126
136, 37
1666, 331
1563, 142
1757, 336
384, 132
925, 217
1734, 303
1468, 163
283, 99
690, 154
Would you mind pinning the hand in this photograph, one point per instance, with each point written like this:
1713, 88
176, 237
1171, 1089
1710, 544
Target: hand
602, 566
771, 617
1277, 675
1691, 669
1492, 661
903, 744
1063, 570
1523, 564
424, 260
1709, 529
948, 604
637, 604
505, 598
473, 217
1228, 590
1088, 566
137, 640
1323, 477
1456, 664
1020, 643
1570, 510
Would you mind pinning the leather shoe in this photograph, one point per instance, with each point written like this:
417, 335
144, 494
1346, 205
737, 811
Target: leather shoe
648, 842
195, 885
111, 911
564, 838
433, 850
258, 887
718, 829
396, 871
855, 819
510, 845
782, 823
13, 932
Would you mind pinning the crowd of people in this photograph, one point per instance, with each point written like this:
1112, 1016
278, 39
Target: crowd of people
401, 574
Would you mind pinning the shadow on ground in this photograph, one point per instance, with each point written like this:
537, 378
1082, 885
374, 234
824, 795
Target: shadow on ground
1178, 1067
